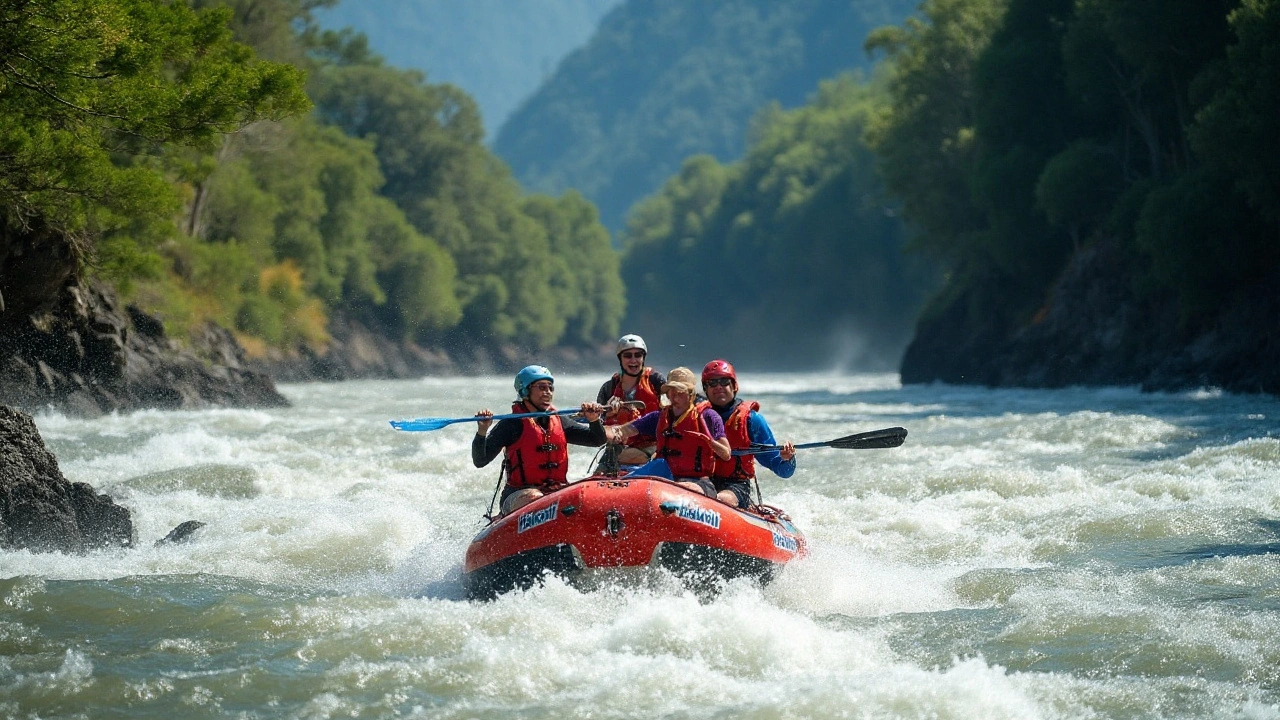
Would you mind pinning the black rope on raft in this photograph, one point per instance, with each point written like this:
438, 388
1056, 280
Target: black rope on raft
501, 472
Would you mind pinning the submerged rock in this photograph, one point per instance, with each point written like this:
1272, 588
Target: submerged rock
180, 534
39, 509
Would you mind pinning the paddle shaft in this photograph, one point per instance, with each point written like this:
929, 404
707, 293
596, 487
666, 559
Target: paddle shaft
428, 424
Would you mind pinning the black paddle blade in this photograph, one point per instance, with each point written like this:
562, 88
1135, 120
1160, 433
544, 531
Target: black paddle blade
874, 439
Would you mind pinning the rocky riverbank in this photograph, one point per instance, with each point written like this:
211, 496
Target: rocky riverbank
355, 352
1096, 330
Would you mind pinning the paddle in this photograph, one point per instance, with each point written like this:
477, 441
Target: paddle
870, 440
427, 424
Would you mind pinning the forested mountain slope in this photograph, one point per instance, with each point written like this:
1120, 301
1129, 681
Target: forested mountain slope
498, 51
663, 80
789, 258
1099, 180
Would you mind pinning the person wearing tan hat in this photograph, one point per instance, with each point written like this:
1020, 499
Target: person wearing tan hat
690, 438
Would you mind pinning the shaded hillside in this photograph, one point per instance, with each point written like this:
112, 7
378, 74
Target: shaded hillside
789, 258
496, 50
1099, 178
663, 80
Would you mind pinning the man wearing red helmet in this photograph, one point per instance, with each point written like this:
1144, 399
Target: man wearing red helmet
743, 425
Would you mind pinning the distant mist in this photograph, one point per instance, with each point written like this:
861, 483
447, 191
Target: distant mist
498, 51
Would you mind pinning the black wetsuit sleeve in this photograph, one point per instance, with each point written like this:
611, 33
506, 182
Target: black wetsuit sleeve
503, 433
606, 392
658, 381
590, 435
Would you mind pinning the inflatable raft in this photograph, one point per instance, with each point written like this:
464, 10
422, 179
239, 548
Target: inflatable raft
609, 522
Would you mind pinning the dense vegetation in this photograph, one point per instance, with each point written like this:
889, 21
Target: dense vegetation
1023, 132
498, 50
790, 257
98, 97
663, 80
162, 144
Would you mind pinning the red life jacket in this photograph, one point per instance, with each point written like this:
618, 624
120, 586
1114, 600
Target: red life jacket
539, 458
687, 456
645, 393
740, 467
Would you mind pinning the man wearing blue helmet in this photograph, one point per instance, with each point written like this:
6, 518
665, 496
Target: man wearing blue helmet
536, 449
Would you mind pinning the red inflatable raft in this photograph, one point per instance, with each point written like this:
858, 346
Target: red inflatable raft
608, 522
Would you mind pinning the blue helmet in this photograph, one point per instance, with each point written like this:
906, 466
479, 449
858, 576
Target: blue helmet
530, 375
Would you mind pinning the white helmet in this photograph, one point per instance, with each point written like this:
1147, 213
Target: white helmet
630, 342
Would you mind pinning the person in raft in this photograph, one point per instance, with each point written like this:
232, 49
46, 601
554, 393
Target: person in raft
536, 451
690, 436
743, 425
634, 383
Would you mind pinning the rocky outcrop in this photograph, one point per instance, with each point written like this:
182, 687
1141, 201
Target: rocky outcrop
1095, 330
84, 354
68, 344
39, 509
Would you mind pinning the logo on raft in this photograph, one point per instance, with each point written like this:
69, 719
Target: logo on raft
531, 520
697, 514
785, 543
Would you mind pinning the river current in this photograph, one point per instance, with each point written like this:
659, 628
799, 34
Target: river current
1080, 553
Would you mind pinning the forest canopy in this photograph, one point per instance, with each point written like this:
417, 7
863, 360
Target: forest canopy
174, 140
1021, 132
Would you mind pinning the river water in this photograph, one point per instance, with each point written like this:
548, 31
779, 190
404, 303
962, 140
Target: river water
1082, 553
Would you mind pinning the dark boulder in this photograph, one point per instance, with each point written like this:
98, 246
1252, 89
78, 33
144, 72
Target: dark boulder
39, 509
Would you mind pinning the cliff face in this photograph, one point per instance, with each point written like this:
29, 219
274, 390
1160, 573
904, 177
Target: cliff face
1095, 330
67, 344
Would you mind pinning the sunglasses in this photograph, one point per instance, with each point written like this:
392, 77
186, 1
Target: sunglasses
718, 382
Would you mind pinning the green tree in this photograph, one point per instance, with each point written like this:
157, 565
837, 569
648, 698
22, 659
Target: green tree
1238, 129
93, 92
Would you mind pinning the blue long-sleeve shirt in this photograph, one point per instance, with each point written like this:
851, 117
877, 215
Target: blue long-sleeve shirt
758, 431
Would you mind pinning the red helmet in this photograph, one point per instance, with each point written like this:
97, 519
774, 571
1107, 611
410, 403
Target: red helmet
719, 369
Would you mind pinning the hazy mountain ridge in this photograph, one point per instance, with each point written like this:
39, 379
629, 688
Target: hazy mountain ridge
663, 80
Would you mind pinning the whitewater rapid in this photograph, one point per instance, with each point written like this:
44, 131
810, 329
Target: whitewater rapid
1078, 553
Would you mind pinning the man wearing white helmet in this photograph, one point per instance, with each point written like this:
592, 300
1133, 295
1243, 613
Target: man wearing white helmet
537, 455
640, 387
